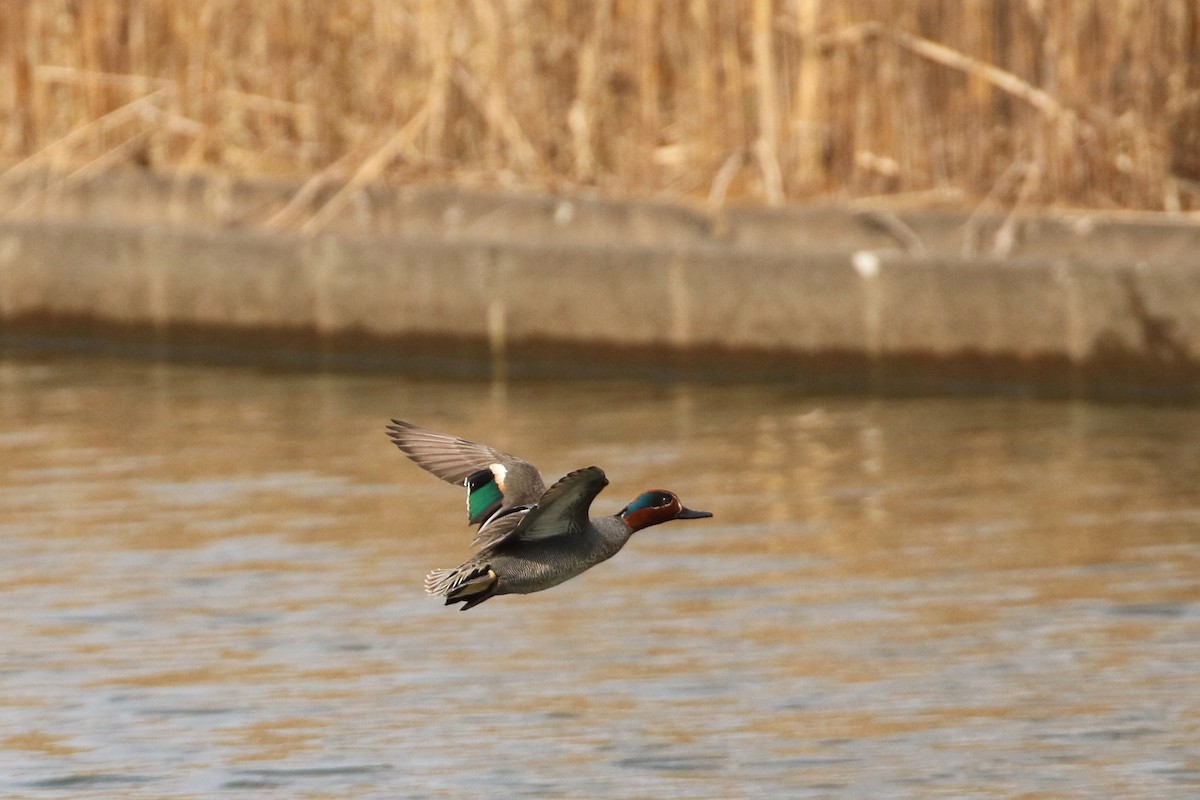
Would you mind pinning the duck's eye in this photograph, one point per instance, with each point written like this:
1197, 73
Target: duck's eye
664, 500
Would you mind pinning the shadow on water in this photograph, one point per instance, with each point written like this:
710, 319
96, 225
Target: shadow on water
213, 582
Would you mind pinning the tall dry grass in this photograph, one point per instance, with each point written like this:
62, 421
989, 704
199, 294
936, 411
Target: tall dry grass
1080, 102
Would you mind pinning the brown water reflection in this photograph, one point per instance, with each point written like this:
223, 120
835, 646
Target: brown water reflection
212, 582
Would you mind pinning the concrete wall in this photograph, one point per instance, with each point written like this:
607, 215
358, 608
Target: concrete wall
859, 299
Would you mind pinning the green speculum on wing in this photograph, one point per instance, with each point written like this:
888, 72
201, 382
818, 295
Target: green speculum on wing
483, 495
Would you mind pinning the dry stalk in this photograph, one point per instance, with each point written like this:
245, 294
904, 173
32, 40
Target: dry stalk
766, 147
294, 208
368, 171
721, 181
973, 227
109, 159
808, 113
946, 56
496, 111
131, 111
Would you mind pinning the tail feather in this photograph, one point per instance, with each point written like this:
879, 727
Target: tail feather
470, 586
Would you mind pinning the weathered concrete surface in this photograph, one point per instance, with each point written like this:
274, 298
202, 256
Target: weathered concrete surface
139, 197
840, 299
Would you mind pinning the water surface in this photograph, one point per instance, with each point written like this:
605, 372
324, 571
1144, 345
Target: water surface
211, 585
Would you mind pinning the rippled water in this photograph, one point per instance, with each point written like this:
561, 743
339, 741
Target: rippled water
211, 582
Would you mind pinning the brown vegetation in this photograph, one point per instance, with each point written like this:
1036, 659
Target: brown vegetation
1080, 102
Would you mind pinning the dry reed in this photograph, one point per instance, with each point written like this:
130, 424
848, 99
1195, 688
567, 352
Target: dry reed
1082, 102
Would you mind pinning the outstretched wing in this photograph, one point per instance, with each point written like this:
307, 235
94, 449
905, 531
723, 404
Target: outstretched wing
561, 511
496, 481
450, 458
